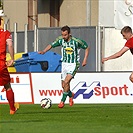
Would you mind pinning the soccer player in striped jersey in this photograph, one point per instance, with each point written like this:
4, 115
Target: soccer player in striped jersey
70, 60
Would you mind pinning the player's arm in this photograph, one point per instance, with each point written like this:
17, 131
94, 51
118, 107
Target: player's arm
11, 52
85, 46
86, 56
45, 50
56, 43
116, 55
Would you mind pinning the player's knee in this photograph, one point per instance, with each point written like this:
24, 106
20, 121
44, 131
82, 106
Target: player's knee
131, 78
7, 86
65, 83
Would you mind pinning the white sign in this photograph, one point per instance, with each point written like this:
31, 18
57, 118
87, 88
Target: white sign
88, 87
47, 85
21, 85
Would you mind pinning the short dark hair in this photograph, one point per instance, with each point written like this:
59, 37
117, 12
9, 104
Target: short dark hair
66, 28
126, 29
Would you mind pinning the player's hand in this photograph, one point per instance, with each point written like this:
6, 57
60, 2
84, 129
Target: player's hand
40, 52
84, 63
9, 63
104, 59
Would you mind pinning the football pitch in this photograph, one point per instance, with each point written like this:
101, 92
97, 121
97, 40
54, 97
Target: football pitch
81, 118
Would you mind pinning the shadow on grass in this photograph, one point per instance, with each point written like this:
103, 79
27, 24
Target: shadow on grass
21, 121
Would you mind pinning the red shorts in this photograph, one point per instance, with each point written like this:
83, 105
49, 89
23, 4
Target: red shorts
4, 77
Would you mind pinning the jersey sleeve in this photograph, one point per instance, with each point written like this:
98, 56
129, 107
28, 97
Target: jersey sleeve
56, 43
128, 44
8, 36
82, 44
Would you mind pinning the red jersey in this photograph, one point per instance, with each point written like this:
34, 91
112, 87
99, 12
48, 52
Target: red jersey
4, 36
129, 44
4, 74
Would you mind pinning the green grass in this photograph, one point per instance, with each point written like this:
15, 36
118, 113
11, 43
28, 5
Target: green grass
81, 118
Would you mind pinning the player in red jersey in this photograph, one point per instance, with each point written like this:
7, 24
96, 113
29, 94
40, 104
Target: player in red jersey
6, 42
128, 35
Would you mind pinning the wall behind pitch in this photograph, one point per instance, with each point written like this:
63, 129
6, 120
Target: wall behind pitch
48, 35
113, 42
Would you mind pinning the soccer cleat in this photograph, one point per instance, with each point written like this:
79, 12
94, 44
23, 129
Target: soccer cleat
16, 106
71, 102
12, 112
61, 104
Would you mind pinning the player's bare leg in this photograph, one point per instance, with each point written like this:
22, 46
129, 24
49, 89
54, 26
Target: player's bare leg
67, 92
131, 77
67, 89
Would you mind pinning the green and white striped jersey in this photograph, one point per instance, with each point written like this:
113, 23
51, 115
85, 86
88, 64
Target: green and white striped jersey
70, 50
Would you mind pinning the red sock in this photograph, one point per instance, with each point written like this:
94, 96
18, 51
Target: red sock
10, 98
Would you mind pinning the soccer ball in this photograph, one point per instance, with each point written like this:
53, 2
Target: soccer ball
46, 103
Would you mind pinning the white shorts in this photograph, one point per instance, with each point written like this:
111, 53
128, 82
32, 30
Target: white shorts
68, 68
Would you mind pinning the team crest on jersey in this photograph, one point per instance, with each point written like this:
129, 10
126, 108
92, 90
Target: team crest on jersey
69, 50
